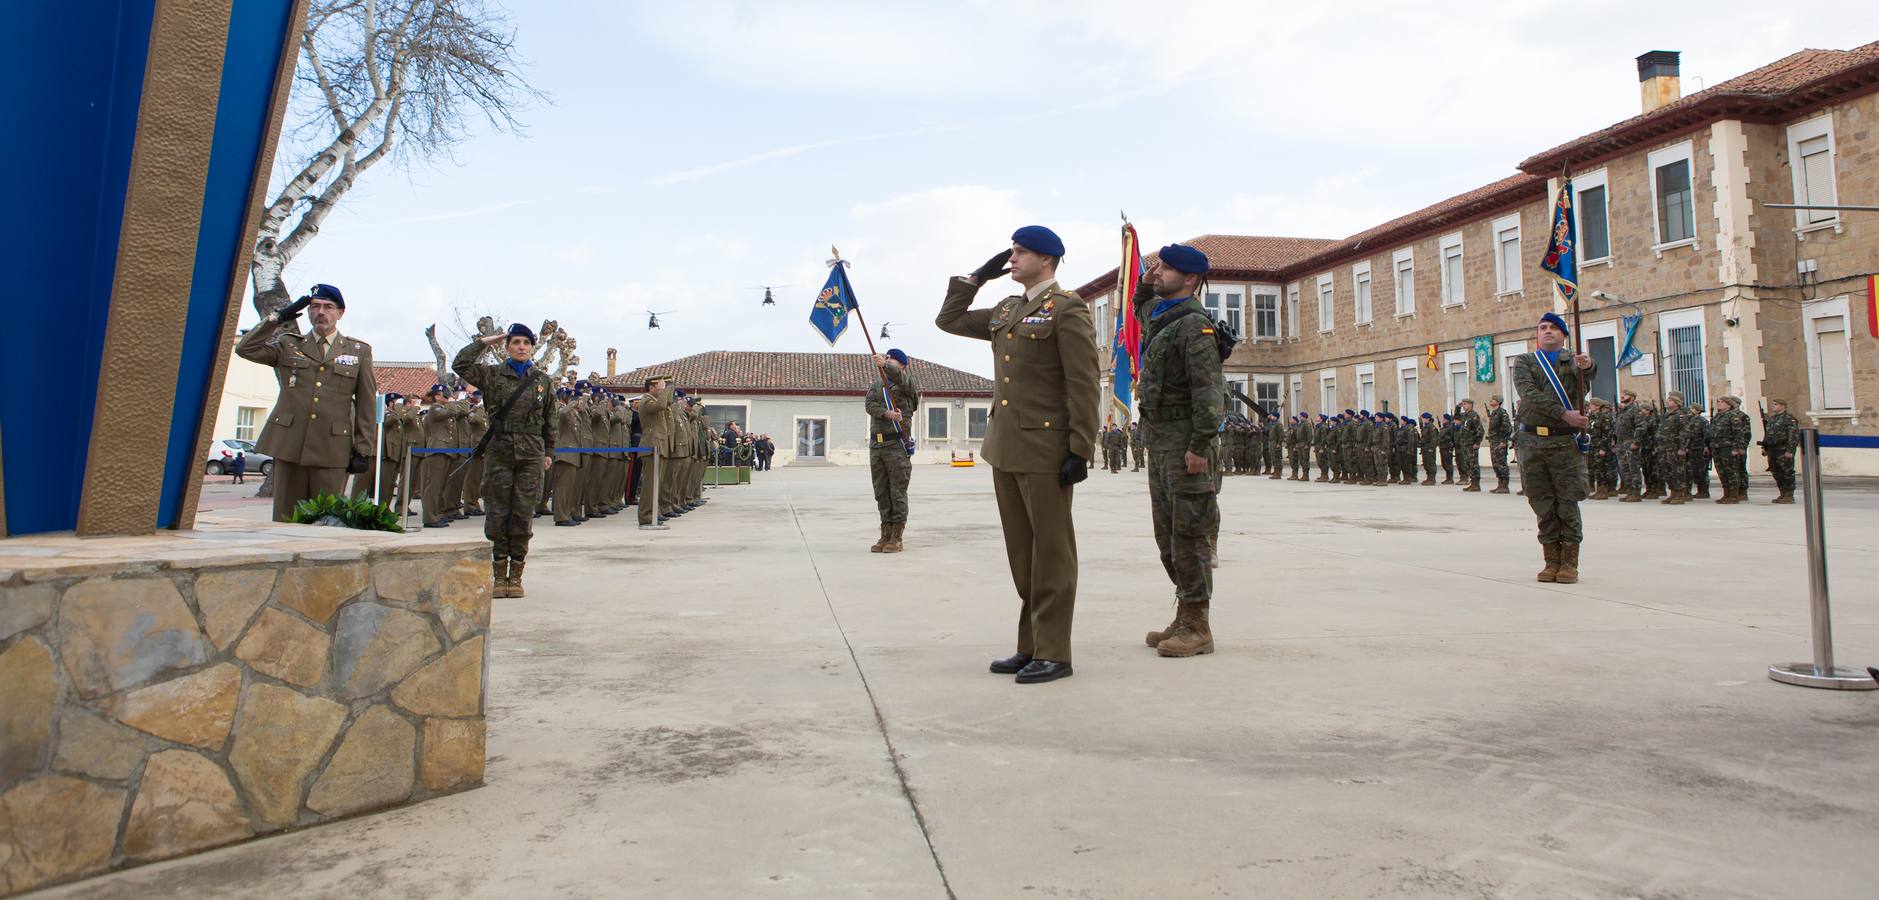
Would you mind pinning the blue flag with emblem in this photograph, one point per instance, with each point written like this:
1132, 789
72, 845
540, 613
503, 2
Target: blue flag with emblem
1562, 248
1630, 353
829, 316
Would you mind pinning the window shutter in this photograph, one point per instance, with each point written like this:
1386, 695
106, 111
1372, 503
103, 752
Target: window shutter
1817, 176
1835, 363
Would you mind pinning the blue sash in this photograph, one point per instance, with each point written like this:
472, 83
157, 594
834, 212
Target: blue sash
1579, 439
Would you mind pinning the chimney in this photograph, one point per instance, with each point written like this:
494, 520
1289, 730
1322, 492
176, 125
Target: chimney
1658, 83
613, 361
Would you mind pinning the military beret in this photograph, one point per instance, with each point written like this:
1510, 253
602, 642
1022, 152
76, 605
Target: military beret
898, 355
520, 330
393, 396
437, 389
476, 393
1364, 412
1409, 421
1431, 416
582, 384
1558, 323
1350, 412
1038, 239
563, 393
1447, 418
1674, 395
1182, 258
328, 292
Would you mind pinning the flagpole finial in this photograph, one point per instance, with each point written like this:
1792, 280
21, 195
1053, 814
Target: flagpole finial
834, 252
1125, 214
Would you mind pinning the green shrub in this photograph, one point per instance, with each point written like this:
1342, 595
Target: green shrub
331, 509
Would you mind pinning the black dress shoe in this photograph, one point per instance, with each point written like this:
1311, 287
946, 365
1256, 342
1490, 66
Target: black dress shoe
441, 523
567, 522
579, 519
1011, 665
1042, 670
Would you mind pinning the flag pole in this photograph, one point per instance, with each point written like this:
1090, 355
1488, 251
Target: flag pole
869, 335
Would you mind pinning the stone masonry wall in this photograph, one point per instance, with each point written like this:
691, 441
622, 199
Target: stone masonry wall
149, 711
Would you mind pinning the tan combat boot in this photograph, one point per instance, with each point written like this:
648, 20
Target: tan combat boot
1156, 637
1676, 497
1192, 635
499, 577
1500, 488
1568, 564
1549, 572
1632, 496
1786, 496
1474, 485
893, 544
882, 542
515, 578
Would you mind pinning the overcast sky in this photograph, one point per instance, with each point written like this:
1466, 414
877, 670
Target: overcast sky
694, 151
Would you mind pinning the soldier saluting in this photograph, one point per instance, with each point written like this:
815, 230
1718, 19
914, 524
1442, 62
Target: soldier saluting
521, 434
1551, 469
1183, 393
1041, 435
324, 425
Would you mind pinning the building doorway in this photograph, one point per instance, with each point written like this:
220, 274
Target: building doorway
812, 439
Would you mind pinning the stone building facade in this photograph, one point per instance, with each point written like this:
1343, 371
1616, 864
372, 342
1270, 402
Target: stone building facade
1675, 226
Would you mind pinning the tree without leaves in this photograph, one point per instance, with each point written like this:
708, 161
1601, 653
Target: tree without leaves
382, 79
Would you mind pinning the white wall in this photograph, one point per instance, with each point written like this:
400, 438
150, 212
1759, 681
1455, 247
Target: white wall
248, 384
848, 434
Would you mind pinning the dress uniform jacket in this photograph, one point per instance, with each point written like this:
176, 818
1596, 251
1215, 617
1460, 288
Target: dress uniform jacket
325, 412
1044, 374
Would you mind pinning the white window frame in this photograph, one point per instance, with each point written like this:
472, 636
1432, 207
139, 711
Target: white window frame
1363, 293
966, 419
1505, 286
1507, 353
1243, 382
1296, 392
1105, 323
1327, 383
1366, 369
248, 430
1232, 297
1253, 294
1580, 184
1653, 161
1681, 318
1591, 331
946, 422
1449, 359
1404, 278
1408, 404
1278, 384
1819, 126
828, 435
1454, 292
1291, 310
1327, 303
1832, 308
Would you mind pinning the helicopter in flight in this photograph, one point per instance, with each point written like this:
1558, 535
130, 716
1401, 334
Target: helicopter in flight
652, 318
884, 334
769, 298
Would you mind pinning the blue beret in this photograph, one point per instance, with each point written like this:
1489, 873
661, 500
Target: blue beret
393, 396
898, 355
328, 292
437, 388
581, 385
519, 329
1364, 412
563, 392
1182, 258
476, 393
678, 392
1349, 412
1446, 417
1428, 416
1038, 239
1557, 323
1409, 420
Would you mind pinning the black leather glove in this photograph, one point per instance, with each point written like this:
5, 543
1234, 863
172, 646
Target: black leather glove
1075, 469
292, 310
994, 268
356, 465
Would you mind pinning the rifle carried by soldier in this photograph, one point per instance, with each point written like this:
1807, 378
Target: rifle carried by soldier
1768, 462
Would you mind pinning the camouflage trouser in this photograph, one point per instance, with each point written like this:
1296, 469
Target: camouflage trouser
1672, 470
1448, 462
1324, 462
1699, 470
1187, 515
1630, 470
1553, 474
1428, 462
1781, 464
1497, 455
892, 469
1468, 459
1139, 452
1732, 470
512, 485
1380, 462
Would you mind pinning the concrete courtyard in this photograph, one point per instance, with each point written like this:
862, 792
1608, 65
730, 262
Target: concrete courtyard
752, 705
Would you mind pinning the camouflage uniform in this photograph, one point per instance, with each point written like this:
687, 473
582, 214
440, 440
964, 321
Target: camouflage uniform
1137, 445
512, 478
1182, 387
1428, 438
1602, 463
1500, 436
1468, 449
1672, 449
1445, 443
1696, 439
888, 461
1551, 468
1625, 434
1729, 437
1645, 430
1778, 440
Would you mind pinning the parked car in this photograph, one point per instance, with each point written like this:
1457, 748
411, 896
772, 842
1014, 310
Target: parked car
218, 465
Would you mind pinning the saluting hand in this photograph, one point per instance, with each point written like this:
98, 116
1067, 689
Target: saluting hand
492, 340
992, 269
292, 310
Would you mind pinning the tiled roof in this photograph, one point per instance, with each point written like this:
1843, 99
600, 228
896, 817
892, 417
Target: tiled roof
1457, 209
1792, 84
753, 372
404, 379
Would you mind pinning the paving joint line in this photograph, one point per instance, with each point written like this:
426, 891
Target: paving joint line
880, 721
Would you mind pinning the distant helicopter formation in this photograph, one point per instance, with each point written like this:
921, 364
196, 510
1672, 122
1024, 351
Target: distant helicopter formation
769, 299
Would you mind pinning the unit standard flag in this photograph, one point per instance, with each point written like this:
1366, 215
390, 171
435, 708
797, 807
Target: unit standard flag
1126, 349
829, 316
1562, 255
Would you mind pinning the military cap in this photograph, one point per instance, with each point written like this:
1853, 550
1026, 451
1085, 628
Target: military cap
1429, 416
476, 393
1774, 400
520, 330
582, 385
1182, 258
436, 389
1497, 398
679, 392
393, 396
898, 355
1595, 401
1558, 323
1038, 239
1732, 400
1468, 400
328, 292
1627, 392
563, 393
1674, 395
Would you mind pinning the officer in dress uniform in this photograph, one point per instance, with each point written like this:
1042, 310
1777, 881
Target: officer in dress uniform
655, 422
1041, 436
324, 423
438, 431
475, 424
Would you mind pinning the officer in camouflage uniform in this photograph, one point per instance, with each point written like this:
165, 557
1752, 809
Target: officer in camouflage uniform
1648, 426
1602, 461
1428, 438
1468, 446
1729, 435
1500, 437
1445, 443
1138, 447
1320, 447
517, 452
1696, 438
1625, 435
1551, 467
1673, 450
1778, 442
891, 404
1382, 436
1182, 389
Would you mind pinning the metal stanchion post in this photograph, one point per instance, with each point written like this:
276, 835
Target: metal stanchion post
658, 521
1821, 673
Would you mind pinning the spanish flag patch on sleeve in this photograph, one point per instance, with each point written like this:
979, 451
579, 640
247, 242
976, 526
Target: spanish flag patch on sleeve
1206, 331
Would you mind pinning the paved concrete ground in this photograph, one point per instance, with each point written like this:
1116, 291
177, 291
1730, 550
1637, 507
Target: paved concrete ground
1397, 709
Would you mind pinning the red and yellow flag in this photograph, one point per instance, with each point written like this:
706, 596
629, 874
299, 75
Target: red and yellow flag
1429, 360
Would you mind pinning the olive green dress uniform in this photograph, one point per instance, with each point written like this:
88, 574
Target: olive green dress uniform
566, 501
701, 453
888, 461
459, 469
475, 425
655, 431
1044, 409
401, 433
440, 429
679, 472
1552, 470
619, 434
512, 478
594, 474
325, 413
